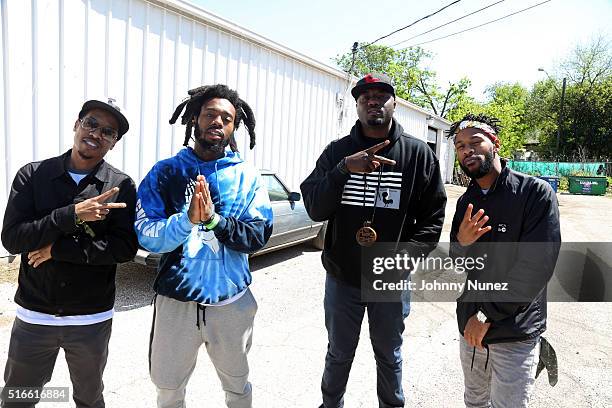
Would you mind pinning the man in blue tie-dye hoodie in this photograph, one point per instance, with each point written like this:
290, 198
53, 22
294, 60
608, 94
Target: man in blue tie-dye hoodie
205, 210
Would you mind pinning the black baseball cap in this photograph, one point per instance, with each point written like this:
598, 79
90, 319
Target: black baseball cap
111, 108
373, 80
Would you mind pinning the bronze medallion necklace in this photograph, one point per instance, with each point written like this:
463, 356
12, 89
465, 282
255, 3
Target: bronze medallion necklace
366, 236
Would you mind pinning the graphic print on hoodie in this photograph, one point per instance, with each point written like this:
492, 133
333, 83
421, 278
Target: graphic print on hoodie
364, 190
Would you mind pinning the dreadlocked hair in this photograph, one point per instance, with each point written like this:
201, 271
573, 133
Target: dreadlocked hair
489, 120
198, 96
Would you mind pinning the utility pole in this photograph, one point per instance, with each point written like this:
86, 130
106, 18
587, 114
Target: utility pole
560, 121
560, 117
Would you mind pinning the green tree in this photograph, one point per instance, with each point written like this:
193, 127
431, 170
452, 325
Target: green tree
442, 103
412, 80
507, 102
587, 113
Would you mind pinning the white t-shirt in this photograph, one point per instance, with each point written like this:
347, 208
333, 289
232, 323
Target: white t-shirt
227, 301
32, 317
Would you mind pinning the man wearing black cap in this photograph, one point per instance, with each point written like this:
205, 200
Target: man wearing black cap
377, 184
71, 219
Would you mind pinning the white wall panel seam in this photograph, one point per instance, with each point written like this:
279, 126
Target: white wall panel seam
283, 114
190, 60
126, 56
106, 45
263, 96
86, 46
143, 92
61, 77
34, 96
217, 52
203, 55
6, 95
239, 67
160, 75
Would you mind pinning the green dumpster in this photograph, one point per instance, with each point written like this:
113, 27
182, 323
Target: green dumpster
587, 185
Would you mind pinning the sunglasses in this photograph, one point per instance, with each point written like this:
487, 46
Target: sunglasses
91, 125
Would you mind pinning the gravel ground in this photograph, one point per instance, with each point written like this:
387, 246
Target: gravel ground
290, 339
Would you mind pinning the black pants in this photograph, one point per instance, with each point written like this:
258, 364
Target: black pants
344, 313
33, 350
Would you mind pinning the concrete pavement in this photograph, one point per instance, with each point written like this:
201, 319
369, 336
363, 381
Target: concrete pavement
290, 339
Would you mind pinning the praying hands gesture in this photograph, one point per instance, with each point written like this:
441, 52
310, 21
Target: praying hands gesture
201, 208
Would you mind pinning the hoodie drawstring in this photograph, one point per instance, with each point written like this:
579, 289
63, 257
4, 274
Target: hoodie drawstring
474, 354
203, 309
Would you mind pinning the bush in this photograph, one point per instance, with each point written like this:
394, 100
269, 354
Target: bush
563, 183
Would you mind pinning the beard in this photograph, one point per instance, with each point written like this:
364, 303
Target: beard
215, 147
376, 122
485, 166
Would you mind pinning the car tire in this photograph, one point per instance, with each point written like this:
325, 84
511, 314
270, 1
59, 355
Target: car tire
319, 241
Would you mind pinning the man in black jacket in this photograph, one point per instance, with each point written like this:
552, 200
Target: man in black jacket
70, 235
517, 227
377, 184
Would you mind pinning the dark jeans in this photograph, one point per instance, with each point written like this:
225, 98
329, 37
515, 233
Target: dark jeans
33, 350
344, 312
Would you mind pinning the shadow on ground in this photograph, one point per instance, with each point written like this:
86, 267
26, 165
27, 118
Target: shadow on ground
135, 281
134, 286
272, 258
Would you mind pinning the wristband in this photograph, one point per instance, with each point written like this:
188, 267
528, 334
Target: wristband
481, 317
342, 167
212, 222
80, 223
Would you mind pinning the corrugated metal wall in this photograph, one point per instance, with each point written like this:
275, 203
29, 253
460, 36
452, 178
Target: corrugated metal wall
146, 54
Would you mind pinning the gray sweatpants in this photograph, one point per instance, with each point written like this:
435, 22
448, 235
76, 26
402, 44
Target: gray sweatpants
509, 378
226, 331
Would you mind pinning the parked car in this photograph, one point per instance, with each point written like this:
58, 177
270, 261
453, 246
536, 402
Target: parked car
292, 225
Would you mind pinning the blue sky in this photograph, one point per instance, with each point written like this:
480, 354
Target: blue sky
509, 50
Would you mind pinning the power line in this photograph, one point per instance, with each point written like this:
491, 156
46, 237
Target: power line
481, 25
450, 22
411, 24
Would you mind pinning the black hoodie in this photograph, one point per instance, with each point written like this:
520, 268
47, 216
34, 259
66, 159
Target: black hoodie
410, 193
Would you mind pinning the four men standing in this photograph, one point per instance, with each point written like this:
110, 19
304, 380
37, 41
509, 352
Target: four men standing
205, 210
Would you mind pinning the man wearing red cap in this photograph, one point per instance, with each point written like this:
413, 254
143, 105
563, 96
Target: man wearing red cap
70, 217
377, 184
499, 213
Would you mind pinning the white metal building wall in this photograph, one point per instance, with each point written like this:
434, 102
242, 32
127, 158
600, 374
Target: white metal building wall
146, 54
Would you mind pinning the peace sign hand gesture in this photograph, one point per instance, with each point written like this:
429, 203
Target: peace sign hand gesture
96, 208
471, 227
366, 161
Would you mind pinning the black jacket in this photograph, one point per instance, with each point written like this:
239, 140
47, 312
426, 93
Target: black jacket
80, 277
521, 209
411, 192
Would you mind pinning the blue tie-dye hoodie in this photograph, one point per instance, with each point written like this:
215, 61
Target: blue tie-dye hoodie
197, 265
